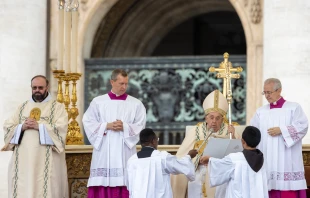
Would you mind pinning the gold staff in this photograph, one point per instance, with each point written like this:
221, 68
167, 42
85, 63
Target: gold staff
225, 71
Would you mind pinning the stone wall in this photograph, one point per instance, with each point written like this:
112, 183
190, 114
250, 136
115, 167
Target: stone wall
22, 56
287, 49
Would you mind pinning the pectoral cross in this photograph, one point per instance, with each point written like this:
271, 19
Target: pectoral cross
35, 113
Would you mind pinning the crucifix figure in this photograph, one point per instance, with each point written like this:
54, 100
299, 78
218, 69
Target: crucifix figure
225, 71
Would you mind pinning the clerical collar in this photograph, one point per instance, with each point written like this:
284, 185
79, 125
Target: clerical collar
255, 158
146, 151
147, 147
113, 96
46, 99
277, 104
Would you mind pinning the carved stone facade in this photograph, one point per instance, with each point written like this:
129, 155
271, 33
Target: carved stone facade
78, 165
255, 9
98, 20
139, 29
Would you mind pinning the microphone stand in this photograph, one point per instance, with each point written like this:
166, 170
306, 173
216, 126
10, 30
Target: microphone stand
203, 143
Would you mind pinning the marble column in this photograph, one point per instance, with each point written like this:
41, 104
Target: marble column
23, 30
287, 49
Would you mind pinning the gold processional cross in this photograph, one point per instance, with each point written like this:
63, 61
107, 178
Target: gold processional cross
225, 71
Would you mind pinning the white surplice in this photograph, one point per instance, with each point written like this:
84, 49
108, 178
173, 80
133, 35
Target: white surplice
181, 187
150, 177
112, 149
283, 153
241, 180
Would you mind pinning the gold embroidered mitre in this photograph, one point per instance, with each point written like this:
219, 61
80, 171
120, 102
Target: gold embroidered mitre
215, 102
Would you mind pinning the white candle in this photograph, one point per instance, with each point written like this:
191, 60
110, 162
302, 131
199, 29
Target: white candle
74, 37
67, 37
60, 35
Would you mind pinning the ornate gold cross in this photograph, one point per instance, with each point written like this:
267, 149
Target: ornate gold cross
225, 71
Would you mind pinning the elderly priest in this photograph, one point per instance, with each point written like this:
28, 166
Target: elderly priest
215, 106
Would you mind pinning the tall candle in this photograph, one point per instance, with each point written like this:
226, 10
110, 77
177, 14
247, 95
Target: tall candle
74, 40
60, 35
67, 37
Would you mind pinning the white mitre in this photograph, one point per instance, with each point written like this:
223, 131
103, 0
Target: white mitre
215, 102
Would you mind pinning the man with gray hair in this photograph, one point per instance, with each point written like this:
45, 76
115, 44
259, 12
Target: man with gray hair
112, 124
283, 124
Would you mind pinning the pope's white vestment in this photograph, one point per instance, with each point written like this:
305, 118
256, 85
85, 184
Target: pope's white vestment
180, 185
216, 103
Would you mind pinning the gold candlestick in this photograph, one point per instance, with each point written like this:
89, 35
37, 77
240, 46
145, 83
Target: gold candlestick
74, 135
67, 96
59, 74
67, 63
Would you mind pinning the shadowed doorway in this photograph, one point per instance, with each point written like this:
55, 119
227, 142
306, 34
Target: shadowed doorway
208, 34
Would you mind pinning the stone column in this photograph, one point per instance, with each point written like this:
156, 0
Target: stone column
287, 49
22, 56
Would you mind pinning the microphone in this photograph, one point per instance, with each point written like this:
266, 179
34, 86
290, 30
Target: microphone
211, 130
199, 154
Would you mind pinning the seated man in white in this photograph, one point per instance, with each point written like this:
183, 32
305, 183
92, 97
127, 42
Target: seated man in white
148, 171
215, 107
243, 171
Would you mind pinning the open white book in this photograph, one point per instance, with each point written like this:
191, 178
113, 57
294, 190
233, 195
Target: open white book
219, 148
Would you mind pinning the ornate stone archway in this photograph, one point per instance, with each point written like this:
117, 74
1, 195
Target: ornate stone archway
140, 28
132, 34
